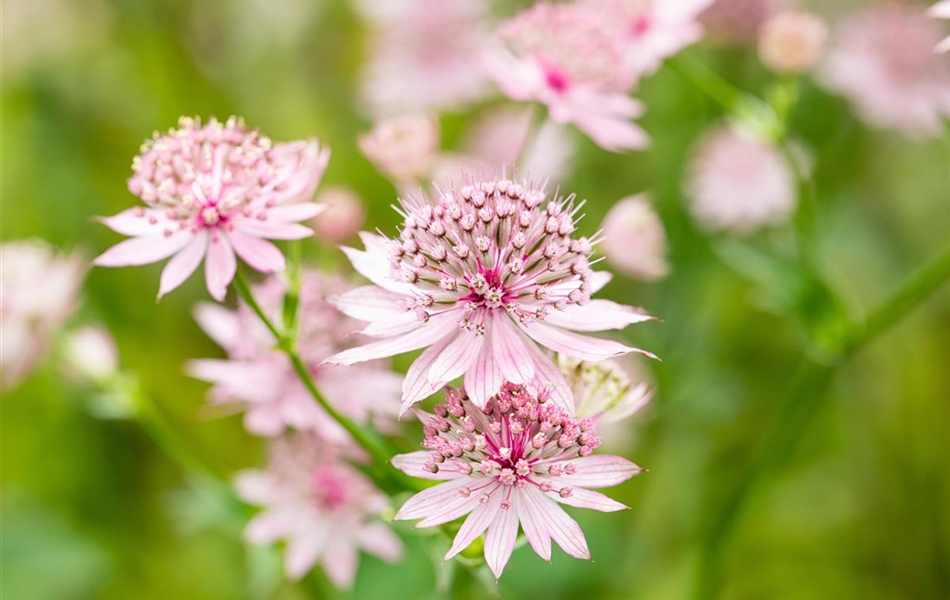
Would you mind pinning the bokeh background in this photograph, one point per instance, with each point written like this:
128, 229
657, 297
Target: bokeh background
857, 505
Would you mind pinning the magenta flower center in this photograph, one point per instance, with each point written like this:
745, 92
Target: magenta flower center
330, 490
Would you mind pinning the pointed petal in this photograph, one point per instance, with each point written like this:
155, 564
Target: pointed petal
298, 211
369, 303
379, 540
139, 222
483, 379
428, 333
420, 505
183, 264
456, 358
501, 537
600, 471
272, 230
416, 386
143, 250
218, 322
599, 279
375, 267
220, 266
256, 487
510, 349
412, 464
597, 315
582, 498
340, 564
572, 344
534, 528
549, 376
563, 529
260, 254
476, 523
303, 551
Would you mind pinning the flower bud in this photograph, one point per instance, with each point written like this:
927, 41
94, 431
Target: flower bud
634, 240
792, 42
403, 148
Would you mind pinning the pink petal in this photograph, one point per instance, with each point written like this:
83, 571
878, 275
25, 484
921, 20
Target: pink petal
600, 471
272, 230
375, 267
484, 378
501, 537
476, 523
534, 527
260, 254
548, 375
599, 279
456, 358
428, 500
578, 346
416, 386
379, 540
183, 264
429, 332
597, 315
449, 511
139, 222
299, 211
220, 266
143, 250
412, 464
369, 303
397, 325
563, 529
256, 487
219, 323
269, 526
340, 564
303, 550
582, 498
510, 349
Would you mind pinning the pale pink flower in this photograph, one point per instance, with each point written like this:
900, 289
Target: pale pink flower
882, 61
738, 183
325, 510
509, 463
737, 22
941, 10
90, 354
566, 57
344, 215
650, 30
423, 55
479, 279
260, 379
39, 290
634, 240
403, 148
212, 191
792, 42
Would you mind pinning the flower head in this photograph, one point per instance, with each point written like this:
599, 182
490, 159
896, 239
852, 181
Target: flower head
40, 289
260, 378
403, 148
91, 354
882, 59
738, 183
634, 240
737, 22
512, 461
321, 506
478, 278
344, 215
566, 58
792, 42
941, 10
211, 191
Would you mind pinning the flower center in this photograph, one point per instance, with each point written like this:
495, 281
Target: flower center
329, 489
210, 216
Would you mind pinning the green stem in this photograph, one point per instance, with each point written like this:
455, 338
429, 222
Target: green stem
156, 425
706, 80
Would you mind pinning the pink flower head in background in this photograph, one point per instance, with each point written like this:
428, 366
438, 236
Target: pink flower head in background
260, 378
423, 55
941, 10
634, 240
325, 510
792, 41
882, 60
90, 354
212, 191
403, 148
480, 279
344, 215
39, 290
510, 462
737, 22
738, 183
650, 30
565, 57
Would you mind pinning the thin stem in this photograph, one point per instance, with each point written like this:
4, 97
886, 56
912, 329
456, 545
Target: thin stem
156, 425
706, 80
244, 288
537, 120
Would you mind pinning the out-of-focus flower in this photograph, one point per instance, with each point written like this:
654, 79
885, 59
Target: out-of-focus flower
882, 60
403, 148
738, 183
262, 380
634, 240
499, 137
423, 55
566, 57
737, 22
324, 509
510, 462
481, 279
941, 10
651, 30
343, 217
38, 292
212, 191
792, 42
91, 354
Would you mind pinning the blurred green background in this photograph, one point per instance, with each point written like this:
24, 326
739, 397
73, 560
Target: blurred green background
854, 506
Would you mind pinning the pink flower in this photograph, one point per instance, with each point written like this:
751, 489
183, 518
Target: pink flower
91, 354
737, 22
792, 42
212, 191
477, 279
634, 240
324, 509
422, 55
941, 10
565, 57
403, 148
343, 218
39, 291
882, 61
508, 464
738, 183
261, 379
650, 30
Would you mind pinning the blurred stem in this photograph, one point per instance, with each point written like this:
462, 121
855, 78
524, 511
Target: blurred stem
385, 477
800, 406
537, 118
706, 80
167, 438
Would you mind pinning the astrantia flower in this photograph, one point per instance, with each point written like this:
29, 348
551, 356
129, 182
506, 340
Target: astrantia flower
941, 10
38, 292
634, 240
792, 42
737, 22
883, 61
261, 379
212, 191
323, 508
343, 217
565, 57
738, 183
509, 463
478, 278
90, 354
403, 148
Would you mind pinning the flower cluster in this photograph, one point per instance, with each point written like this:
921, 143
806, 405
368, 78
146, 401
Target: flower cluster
510, 462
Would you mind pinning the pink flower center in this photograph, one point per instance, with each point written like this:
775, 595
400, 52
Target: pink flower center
329, 489
641, 25
210, 216
556, 80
